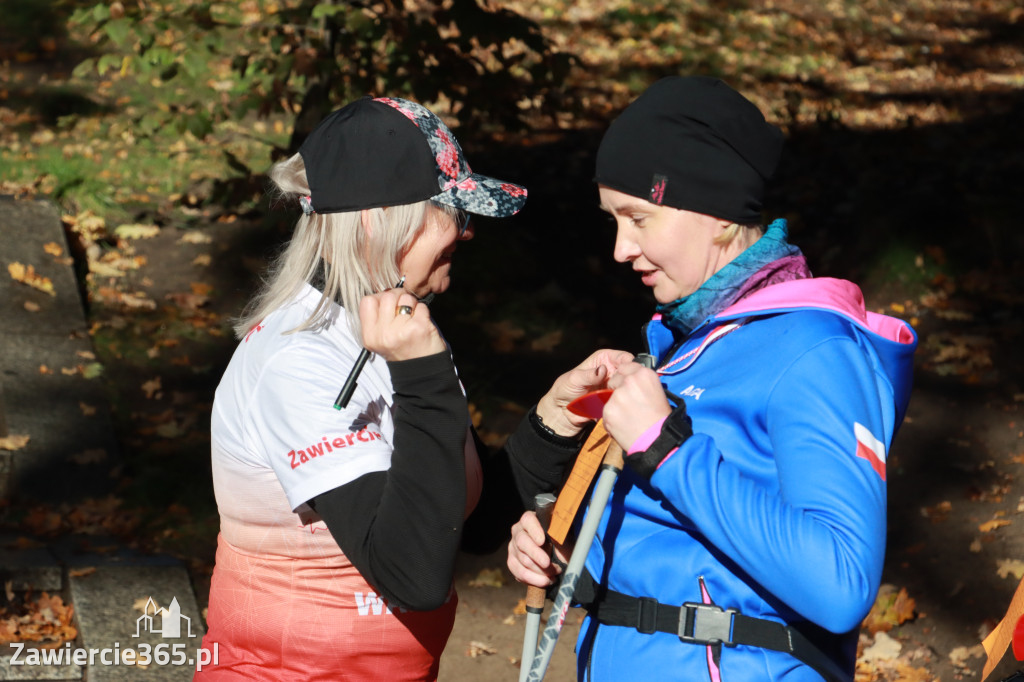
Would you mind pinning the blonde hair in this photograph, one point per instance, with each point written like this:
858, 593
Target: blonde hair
733, 231
358, 256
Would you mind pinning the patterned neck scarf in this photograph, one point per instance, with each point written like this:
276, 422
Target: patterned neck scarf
769, 260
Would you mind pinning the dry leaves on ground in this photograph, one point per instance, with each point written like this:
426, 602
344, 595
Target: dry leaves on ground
46, 619
26, 274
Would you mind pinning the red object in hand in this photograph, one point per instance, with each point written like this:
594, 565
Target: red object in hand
592, 404
1018, 640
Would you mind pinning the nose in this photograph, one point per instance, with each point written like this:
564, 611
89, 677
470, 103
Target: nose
626, 248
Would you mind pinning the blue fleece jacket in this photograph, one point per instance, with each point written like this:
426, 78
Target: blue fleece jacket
776, 506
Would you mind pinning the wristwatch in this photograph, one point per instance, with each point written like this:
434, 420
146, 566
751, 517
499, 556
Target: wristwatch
676, 428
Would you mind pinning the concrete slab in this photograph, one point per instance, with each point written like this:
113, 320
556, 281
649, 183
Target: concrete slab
43, 393
29, 568
110, 604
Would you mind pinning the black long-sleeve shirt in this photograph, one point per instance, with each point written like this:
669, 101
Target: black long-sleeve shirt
403, 528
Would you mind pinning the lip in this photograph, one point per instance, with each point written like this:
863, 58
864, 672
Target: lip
648, 277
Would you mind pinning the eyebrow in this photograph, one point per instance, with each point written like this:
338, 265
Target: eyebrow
626, 207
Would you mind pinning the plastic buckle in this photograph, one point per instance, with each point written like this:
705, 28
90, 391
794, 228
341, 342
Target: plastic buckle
706, 624
647, 615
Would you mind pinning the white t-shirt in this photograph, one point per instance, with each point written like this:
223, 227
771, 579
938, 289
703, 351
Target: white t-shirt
277, 441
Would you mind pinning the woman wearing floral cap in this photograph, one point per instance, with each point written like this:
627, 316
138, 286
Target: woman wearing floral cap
341, 517
745, 536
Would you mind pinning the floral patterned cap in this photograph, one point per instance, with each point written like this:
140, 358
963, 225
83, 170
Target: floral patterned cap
390, 151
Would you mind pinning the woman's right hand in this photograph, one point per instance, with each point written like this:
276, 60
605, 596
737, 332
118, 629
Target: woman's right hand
590, 375
396, 336
529, 559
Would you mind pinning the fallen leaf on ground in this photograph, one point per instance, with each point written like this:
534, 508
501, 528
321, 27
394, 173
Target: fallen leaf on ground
13, 442
488, 577
520, 608
195, 238
46, 620
960, 656
938, 512
32, 306
892, 607
152, 387
884, 648
990, 526
87, 409
479, 649
136, 231
26, 274
1008, 567
54, 249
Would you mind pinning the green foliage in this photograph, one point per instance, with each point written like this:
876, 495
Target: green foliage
196, 63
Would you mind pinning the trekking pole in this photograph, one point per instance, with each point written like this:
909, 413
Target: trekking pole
610, 469
592, 406
535, 596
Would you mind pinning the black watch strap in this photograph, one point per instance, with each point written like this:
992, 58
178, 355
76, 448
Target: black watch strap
548, 434
674, 431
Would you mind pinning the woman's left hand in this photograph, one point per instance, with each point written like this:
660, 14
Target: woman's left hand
589, 375
397, 326
637, 401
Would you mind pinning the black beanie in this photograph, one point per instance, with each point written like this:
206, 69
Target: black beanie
694, 143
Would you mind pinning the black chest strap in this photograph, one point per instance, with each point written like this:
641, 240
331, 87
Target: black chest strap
704, 624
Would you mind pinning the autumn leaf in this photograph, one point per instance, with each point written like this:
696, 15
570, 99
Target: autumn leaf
87, 409
136, 231
152, 388
992, 525
195, 238
54, 249
14, 442
892, 607
884, 648
32, 306
26, 274
479, 649
488, 577
47, 620
939, 512
961, 655
520, 608
1008, 567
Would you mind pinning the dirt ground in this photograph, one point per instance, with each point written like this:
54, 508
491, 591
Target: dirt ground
904, 178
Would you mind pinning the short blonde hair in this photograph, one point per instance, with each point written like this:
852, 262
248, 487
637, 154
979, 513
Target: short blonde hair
733, 231
358, 257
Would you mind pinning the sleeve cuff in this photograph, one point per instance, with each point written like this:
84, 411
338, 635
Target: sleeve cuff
406, 373
647, 437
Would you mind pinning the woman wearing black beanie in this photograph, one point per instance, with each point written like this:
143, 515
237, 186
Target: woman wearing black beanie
745, 537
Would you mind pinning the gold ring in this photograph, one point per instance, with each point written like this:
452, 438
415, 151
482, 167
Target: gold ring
404, 310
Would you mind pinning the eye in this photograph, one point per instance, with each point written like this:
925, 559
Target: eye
639, 219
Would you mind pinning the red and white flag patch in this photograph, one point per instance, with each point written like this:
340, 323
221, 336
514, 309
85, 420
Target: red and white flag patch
870, 448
